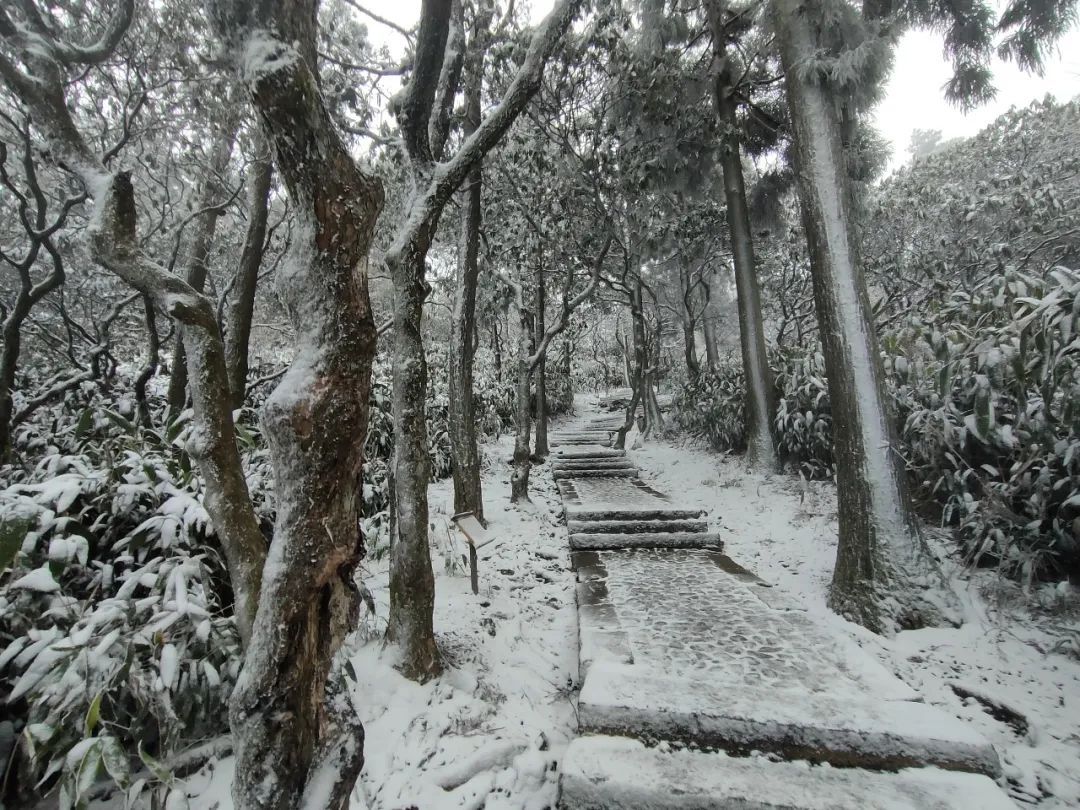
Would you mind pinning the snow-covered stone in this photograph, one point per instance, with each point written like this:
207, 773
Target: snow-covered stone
610, 772
837, 727
593, 541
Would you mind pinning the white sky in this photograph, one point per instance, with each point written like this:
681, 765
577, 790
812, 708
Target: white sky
914, 97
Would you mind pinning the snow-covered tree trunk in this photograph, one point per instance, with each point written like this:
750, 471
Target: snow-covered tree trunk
423, 112
709, 317
423, 117
760, 391
241, 298
541, 444
522, 463
464, 450
298, 740
708, 329
885, 575
209, 201
637, 371
412, 583
689, 325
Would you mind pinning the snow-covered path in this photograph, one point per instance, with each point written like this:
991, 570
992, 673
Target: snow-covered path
681, 646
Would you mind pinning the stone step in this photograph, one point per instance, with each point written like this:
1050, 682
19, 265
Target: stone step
595, 472
840, 729
636, 526
614, 513
598, 462
603, 541
601, 461
625, 469
614, 773
598, 452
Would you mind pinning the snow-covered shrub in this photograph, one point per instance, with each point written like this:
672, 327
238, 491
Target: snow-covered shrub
990, 395
115, 609
803, 420
713, 405
493, 402
986, 393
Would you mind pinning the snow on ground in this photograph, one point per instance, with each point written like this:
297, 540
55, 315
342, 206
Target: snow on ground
491, 731
1007, 651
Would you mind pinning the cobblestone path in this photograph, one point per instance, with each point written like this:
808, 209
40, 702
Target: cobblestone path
693, 668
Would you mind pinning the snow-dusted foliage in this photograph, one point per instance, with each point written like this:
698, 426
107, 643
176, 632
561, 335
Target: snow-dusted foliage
989, 390
985, 391
116, 625
713, 405
115, 617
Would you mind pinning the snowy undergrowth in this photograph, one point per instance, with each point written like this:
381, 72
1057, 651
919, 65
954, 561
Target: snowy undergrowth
491, 731
1009, 651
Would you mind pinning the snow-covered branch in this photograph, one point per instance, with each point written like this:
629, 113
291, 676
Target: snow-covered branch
449, 78
414, 103
114, 244
524, 86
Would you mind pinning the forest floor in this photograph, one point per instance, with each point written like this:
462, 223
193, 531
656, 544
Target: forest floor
491, 731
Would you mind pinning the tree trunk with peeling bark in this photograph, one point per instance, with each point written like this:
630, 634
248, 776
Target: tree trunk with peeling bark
241, 299
760, 391
885, 576
296, 732
299, 742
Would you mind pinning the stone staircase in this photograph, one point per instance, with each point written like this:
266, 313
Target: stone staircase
608, 506
704, 687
